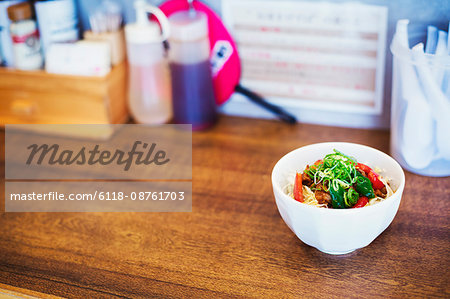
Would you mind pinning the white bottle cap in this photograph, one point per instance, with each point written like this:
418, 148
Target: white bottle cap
185, 26
146, 31
138, 34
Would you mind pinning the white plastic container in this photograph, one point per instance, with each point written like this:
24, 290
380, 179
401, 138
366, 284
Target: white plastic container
25, 37
6, 46
57, 21
149, 91
420, 114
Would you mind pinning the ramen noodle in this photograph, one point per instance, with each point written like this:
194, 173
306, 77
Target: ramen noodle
338, 181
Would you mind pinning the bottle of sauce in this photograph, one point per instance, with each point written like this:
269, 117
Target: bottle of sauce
149, 96
192, 85
25, 37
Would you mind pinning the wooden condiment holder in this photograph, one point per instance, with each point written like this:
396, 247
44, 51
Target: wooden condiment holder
37, 97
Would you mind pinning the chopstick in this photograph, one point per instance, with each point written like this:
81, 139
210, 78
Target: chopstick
257, 99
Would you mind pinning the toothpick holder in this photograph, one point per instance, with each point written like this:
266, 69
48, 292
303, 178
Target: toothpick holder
116, 39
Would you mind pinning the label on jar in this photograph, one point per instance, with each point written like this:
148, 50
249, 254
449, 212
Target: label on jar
26, 50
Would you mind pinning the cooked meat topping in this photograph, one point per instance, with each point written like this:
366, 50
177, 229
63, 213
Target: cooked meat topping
322, 197
381, 192
306, 180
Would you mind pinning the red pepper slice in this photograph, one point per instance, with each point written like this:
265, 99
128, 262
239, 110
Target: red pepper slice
298, 188
375, 180
320, 161
372, 175
362, 201
364, 168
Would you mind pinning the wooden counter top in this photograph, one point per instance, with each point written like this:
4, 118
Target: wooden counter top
234, 242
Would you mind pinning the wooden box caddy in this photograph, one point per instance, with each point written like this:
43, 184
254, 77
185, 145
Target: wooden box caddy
37, 97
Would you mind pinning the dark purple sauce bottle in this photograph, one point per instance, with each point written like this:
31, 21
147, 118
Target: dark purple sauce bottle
193, 94
192, 86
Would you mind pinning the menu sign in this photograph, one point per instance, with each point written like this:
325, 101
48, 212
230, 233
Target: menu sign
322, 56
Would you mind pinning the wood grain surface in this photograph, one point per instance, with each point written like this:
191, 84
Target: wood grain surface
234, 243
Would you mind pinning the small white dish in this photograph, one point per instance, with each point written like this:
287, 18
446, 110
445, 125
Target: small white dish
336, 231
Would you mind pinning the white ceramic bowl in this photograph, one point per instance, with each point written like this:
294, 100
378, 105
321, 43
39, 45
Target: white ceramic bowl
336, 231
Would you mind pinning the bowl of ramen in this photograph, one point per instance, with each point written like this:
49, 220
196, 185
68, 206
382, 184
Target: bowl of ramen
337, 196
